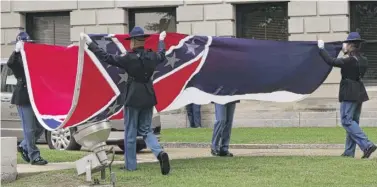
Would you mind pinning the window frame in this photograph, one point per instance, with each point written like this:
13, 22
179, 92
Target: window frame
354, 21
133, 12
242, 8
5, 86
29, 22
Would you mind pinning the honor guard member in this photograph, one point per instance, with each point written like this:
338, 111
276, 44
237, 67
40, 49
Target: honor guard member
32, 130
194, 116
352, 93
140, 97
222, 129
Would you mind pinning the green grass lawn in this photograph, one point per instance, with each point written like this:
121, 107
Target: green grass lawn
279, 135
239, 136
237, 172
61, 156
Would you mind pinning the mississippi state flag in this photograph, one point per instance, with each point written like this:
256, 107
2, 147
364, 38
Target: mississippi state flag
69, 86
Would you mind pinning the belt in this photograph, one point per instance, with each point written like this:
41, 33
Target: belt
130, 79
358, 80
21, 82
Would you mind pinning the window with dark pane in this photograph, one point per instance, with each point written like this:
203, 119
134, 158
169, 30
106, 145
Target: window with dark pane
153, 20
263, 21
8, 81
363, 17
49, 27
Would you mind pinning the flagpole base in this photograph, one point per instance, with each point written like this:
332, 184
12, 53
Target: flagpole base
94, 137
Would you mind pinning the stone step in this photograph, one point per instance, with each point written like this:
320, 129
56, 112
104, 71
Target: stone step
310, 112
308, 104
305, 105
272, 119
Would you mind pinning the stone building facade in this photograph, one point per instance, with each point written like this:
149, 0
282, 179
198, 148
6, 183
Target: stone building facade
307, 21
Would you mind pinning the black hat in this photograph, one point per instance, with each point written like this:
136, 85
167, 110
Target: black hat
353, 37
137, 32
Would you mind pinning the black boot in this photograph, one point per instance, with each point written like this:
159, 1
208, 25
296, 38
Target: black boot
214, 152
24, 154
369, 151
225, 154
344, 155
39, 161
163, 158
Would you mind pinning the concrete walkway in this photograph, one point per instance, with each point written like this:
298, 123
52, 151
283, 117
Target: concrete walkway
184, 153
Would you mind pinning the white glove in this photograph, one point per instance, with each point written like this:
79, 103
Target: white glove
19, 46
162, 35
344, 48
321, 44
85, 37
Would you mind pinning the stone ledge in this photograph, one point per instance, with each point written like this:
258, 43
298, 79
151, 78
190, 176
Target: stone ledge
34, 6
277, 119
147, 4
196, 2
84, 4
254, 146
8, 159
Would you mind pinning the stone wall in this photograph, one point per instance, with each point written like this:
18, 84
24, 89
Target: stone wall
315, 20
214, 18
11, 23
106, 20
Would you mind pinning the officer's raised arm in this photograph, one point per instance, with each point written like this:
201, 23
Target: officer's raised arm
103, 55
336, 62
15, 59
161, 48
